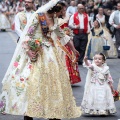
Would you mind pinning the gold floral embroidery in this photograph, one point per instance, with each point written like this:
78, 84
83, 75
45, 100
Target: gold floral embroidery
49, 91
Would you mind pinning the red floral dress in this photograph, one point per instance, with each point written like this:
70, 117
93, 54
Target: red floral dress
72, 68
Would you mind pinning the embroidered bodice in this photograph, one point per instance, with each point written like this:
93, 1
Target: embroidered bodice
100, 74
97, 32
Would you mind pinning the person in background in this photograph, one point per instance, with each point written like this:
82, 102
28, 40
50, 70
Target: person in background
19, 7
114, 20
36, 83
112, 53
98, 92
4, 22
95, 40
23, 17
79, 23
72, 8
66, 52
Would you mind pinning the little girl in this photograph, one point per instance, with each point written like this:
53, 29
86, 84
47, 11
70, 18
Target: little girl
98, 97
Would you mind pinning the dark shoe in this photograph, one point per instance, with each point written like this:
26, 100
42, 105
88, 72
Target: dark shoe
28, 118
118, 57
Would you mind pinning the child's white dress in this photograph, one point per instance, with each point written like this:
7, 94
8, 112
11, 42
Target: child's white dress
98, 98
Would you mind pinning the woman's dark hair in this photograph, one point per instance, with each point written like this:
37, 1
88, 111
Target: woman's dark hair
57, 8
63, 3
103, 56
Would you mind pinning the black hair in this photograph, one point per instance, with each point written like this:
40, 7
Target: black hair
57, 8
63, 3
103, 56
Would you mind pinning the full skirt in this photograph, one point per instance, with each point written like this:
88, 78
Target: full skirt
39, 89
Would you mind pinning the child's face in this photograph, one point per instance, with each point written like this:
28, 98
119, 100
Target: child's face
98, 59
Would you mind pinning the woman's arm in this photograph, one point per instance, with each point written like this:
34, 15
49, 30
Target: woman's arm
71, 45
65, 39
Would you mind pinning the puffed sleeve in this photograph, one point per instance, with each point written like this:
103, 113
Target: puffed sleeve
64, 39
109, 78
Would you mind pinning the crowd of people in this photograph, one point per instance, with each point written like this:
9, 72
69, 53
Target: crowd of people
53, 39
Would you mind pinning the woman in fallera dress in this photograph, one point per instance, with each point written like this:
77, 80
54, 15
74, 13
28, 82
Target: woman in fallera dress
112, 53
4, 22
95, 41
66, 52
36, 83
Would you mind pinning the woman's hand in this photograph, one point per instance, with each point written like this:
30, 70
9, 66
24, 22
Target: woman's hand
32, 54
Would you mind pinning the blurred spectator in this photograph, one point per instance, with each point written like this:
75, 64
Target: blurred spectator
4, 22
19, 7
101, 17
72, 8
22, 18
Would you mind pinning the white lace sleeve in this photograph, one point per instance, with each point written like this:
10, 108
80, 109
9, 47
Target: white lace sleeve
65, 40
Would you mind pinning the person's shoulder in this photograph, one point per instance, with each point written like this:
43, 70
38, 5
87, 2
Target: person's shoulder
114, 12
20, 13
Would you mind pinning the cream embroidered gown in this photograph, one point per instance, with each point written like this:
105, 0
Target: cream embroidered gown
42, 88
